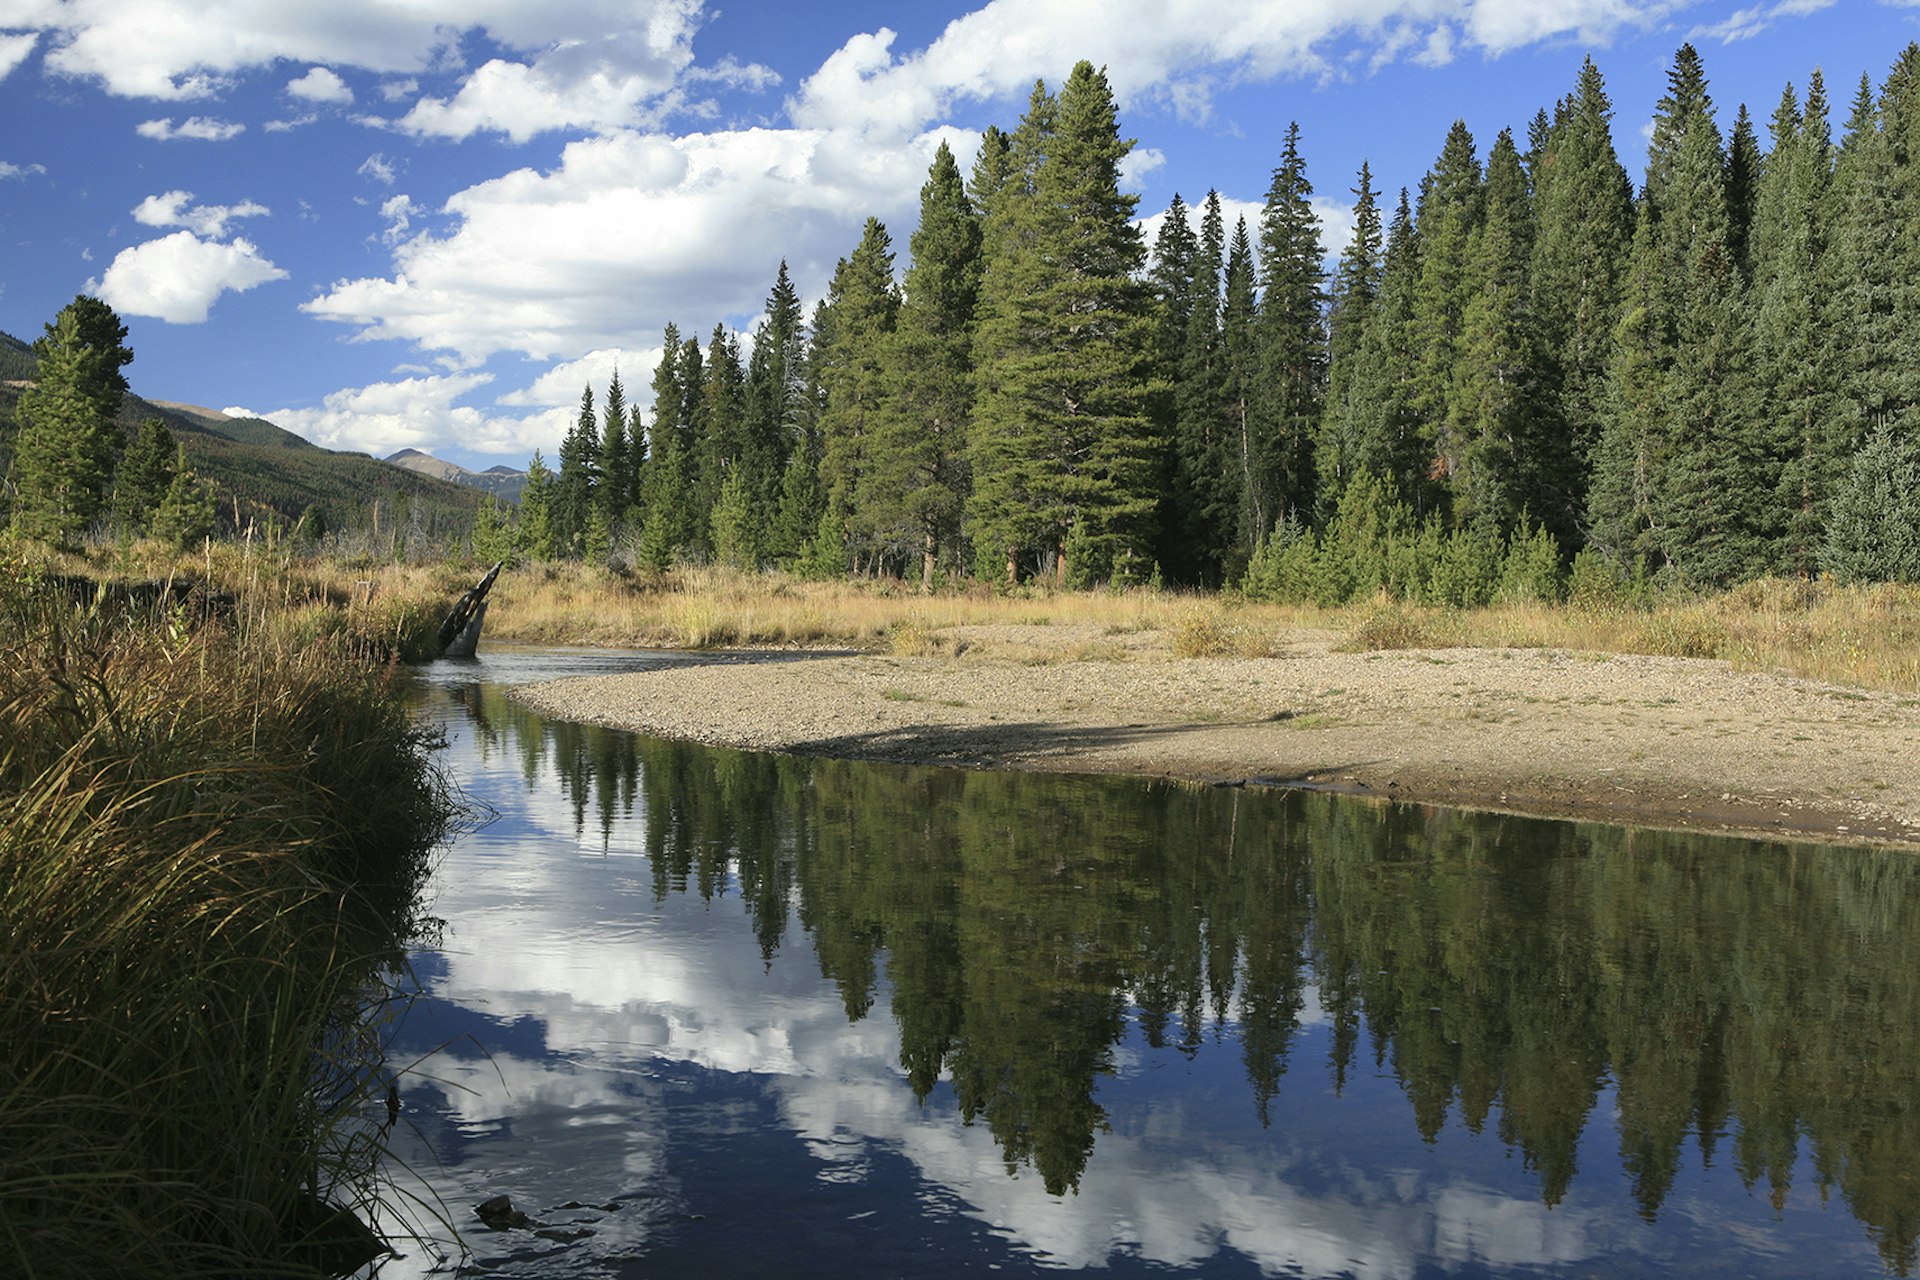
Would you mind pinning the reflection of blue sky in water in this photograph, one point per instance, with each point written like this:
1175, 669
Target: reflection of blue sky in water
641, 1052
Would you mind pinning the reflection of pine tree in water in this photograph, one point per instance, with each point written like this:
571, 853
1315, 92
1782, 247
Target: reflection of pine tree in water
1505, 969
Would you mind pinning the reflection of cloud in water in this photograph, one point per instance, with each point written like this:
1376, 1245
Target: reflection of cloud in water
618, 979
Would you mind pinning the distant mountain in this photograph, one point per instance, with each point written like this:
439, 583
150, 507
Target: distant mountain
504, 483
255, 466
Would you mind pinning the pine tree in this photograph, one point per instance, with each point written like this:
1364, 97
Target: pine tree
855, 376
618, 477
1494, 438
1002, 519
917, 480
99, 328
1798, 337
579, 480
1874, 534
1715, 500
776, 388
1744, 167
1448, 213
1201, 524
1063, 446
1239, 384
1378, 420
142, 476
1356, 291
722, 443
63, 453
1584, 212
534, 530
1292, 342
185, 515
664, 501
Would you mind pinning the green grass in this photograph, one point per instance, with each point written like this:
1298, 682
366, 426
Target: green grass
211, 847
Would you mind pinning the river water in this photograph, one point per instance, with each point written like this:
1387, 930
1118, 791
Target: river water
708, 1013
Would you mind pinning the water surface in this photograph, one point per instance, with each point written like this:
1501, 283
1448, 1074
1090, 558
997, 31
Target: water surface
711, 1013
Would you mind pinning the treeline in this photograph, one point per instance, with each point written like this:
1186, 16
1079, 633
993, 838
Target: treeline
1521, 368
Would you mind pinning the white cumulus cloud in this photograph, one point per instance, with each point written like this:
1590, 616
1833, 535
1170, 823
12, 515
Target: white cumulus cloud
418, 413
198, 128
14, 50
321, 84
177, 278
560, 386
20, 170
176, 209
629, 231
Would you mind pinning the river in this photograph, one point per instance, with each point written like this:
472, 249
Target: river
708, 1013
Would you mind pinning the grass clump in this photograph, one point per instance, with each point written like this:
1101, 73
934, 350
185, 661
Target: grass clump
211, 848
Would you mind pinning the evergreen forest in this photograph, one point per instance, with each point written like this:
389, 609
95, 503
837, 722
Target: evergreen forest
1526, 374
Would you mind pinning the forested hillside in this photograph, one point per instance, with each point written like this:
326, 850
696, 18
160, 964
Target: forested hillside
1528, 362
255, 473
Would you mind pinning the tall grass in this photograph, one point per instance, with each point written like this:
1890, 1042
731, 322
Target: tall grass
212, 840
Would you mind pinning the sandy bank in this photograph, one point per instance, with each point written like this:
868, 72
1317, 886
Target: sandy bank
1656, 741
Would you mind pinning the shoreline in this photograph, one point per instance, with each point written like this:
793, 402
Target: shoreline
1659, 742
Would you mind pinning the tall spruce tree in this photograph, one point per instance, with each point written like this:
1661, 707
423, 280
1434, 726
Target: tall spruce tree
1584, 214
1379, 419
64, 451
1239, 384
1496, 437
579, 480
142, 476
1292, 343
1449, 211
618, 475
1170, 277
776, 387
918, 479
1798, 333
723, 432
1063, 450
1201, 523
534, 531
665, 514
854, 378
1350, 312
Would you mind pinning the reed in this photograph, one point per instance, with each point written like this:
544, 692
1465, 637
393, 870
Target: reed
212, 838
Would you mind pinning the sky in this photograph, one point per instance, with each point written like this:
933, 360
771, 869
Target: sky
428, 224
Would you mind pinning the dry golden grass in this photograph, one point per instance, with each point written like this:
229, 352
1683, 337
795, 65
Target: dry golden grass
1863, 635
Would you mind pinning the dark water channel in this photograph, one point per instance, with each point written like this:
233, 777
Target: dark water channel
751, 1015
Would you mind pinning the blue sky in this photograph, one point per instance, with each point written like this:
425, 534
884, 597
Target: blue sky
429, 224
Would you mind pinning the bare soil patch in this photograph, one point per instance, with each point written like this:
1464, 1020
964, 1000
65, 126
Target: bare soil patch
1653, 741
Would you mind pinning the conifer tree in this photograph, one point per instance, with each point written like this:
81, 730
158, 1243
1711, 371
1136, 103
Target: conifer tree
917, 479
1743, 189
1494, 439
721, 443
142, 476
615, 496
576, 489
854, 377
1356, 290
1202, 520
534, 529
1063, 448
1378, 420
63, 453
666, 513
1001, 519
1798, 332
776, 388
1239, 384
1449, 211
1584, 214
1292, 341
185, 515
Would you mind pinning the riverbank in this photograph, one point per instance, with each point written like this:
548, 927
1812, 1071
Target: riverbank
1672, 742
215, 825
